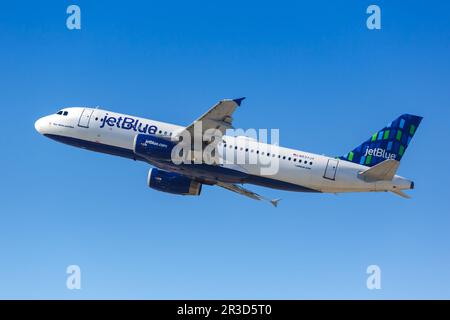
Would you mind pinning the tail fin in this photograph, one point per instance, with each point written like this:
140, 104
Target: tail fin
388, 143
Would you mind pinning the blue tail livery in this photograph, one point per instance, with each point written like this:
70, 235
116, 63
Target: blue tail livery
388, 143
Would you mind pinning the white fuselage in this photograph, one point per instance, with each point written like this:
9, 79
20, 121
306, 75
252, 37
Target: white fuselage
115, 134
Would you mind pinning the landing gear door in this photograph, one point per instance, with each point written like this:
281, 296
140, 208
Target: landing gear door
330, 171
85, 118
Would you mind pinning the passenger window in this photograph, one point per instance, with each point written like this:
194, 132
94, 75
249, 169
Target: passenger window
295, 160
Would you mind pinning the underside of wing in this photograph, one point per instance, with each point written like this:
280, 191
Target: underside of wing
218, 117
241, 190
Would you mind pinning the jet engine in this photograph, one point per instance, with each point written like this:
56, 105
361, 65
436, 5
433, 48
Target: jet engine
153, 148
172, 182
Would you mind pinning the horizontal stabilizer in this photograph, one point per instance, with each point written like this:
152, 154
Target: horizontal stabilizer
383, 171
401, 194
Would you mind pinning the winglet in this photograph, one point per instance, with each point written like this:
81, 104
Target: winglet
239, 101
274, 202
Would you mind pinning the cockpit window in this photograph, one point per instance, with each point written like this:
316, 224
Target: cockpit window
59, 112
65, 113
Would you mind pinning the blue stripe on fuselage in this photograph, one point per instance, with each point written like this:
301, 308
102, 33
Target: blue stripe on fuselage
203, 171
96, 146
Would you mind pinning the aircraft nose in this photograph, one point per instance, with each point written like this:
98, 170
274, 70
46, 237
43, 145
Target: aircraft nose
39, 125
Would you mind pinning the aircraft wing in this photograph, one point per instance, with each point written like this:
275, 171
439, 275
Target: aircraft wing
218, 117
238, 189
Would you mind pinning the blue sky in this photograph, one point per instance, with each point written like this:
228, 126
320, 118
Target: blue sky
310, 68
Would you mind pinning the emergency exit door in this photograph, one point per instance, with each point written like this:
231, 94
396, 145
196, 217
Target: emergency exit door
85, 118
330, 171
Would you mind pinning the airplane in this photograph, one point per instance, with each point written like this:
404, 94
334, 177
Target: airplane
370, 167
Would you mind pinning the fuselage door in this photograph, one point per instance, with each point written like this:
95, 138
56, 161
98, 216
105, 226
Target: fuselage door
85, 118
330, 171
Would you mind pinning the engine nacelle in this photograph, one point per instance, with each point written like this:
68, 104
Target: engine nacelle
173, 183
152, 147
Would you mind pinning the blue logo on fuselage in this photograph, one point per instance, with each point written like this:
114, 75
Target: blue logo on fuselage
128, 123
